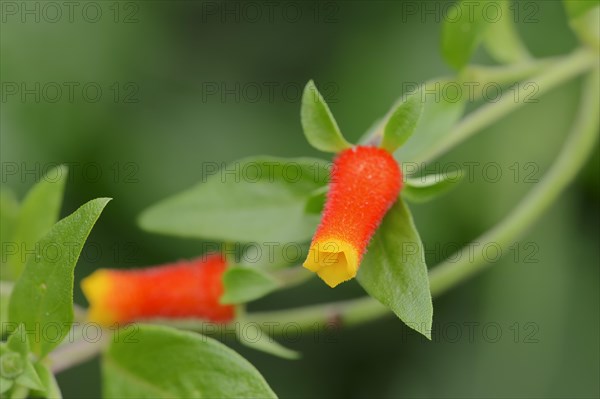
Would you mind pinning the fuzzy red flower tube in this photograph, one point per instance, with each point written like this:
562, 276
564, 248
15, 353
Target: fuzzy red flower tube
365, 183
185, 289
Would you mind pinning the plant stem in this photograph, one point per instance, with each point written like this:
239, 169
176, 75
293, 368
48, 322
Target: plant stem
292, 276
76, 352
562, 71
575, 152
506, 74
343, 313
482, 75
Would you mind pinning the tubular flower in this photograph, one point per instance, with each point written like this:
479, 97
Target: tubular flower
365, 183
186, 289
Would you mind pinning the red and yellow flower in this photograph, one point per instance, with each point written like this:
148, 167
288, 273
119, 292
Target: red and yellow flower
185, 289
365, 183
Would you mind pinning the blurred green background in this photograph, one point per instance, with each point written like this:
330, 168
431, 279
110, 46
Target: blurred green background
528, 327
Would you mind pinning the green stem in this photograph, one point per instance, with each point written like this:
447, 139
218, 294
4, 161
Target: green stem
343, 313
572, 158
506, 74
76, 352
562, 71
293, 276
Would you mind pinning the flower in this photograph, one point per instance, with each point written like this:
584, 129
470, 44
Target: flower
185, 289
365, 183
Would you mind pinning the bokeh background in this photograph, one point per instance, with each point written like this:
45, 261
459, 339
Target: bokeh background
527, 327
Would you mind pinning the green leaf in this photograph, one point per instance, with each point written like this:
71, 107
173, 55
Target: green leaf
5, 384
168, 363
245, 284
29, 378
43, 295
252, 336
441, 111
19, 342
428, 187
577, 8
253, 200
5, 291
501, 38
394, 272
50, 388
39, 211
320, 128
402, 123
462, 31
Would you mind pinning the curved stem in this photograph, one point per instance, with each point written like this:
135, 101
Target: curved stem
76, 352
507, 74
576, 150
343, 313
293, 276
564, 70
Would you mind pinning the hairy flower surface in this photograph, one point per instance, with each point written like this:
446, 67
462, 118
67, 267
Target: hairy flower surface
365, 183
185, 289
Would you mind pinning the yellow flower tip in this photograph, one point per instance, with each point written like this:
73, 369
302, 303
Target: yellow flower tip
97, 289
334, 261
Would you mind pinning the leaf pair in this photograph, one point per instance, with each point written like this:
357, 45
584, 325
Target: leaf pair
41, 255
389, 272
322, 131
